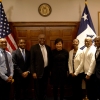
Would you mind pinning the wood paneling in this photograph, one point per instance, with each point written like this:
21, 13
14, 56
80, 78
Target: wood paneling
66, 33
30, 31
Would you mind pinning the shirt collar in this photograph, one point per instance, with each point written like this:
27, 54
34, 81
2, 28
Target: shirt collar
41, 45
98, 49
21, 49
2, 50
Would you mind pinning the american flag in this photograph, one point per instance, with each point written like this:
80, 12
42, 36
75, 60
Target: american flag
86, 28
5, 31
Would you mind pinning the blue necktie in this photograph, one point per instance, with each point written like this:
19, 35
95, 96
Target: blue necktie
23, 53
6, 61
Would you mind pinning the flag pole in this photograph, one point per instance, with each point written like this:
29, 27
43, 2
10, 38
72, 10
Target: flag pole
86, 98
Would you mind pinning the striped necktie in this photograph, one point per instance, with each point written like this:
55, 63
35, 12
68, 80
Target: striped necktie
6, 61
23, 54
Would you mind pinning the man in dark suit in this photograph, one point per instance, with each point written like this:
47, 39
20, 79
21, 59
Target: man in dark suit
97, 67
21, 60
40, 64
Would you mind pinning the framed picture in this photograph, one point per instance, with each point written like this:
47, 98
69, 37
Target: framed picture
99, 23
44, 9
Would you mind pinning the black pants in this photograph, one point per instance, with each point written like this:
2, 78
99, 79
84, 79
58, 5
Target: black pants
55, 92
77, 87
4, 90
90, 87
97, 88
21, 87
40, 86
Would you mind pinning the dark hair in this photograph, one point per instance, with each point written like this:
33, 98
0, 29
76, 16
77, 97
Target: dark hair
58, 40
20, 40
76, 39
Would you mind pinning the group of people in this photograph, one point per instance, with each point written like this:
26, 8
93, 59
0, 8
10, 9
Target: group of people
42, 63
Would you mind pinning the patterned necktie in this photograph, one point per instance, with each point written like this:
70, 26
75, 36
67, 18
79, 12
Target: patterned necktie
23, 53
6, 61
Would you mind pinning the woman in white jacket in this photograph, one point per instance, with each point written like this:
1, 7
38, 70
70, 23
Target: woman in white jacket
75, 64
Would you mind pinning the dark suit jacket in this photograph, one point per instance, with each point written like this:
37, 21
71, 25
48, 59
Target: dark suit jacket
37, 62
97, 67
20, 65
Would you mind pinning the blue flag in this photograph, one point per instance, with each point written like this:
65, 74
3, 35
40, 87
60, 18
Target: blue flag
86, 28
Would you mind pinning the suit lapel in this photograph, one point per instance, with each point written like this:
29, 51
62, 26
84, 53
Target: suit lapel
21, 54
97, 54
47, 50
72, 53
77, 53
39, 49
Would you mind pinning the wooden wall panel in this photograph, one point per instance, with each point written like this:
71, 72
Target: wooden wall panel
30, 31
66, 33
30, 34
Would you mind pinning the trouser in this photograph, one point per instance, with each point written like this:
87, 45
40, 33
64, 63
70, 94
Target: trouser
55, 92
97, 88
4, 90
77, 87
21, 88
40, 86
90, 87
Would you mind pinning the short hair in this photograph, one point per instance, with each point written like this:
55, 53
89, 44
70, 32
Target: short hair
58, 40
88, 38
98, 37
20, 40
76, 39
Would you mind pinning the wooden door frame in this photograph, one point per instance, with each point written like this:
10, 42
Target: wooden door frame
31, 24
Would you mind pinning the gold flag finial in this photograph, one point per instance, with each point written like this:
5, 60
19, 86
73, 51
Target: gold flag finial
0, 0
86, 2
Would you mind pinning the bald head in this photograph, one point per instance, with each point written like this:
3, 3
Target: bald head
97, 37
88, 38
88, 41
41, 39
3, 43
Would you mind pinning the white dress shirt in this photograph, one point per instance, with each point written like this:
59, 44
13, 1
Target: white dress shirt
89, 60
44, 53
